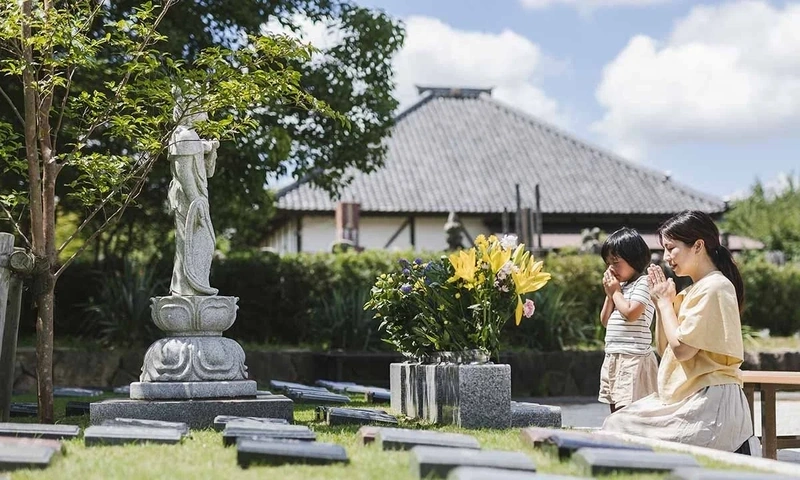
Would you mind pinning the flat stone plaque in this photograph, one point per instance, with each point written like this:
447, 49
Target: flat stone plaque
406, 439
221, 420
478, 473
13, 457
39, 430
536, 415
74, 409
316, 396
708, 474
565, 443
139, 422
536, 436
428, 462
55, 445
362, 389
367, 434
23, 410
355, 416
603, 461
274, 431
192, 390
116, 435
378, 397
280, 452
284, 386
76, 392
334, 386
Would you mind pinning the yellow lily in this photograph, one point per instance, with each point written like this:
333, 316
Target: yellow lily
463, 262
527, 279
497, 258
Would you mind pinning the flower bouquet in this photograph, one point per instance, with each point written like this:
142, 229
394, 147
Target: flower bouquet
459, 302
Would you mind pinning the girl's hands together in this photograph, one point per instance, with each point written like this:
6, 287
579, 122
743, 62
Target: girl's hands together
610, 283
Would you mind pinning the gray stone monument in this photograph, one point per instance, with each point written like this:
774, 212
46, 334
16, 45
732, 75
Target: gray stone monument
194, 361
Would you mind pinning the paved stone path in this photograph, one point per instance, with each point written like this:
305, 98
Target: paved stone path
587, 412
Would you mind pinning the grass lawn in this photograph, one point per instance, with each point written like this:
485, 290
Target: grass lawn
202, 456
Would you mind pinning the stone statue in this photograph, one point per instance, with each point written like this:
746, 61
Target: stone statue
192, 162
453, 232
194, 360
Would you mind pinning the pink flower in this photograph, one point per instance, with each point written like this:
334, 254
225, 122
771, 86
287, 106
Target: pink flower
528, 308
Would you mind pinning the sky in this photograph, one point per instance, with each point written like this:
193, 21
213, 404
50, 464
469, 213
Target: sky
708, 92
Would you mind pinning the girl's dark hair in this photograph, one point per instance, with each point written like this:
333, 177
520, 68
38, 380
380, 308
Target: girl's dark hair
627, 244
692, 225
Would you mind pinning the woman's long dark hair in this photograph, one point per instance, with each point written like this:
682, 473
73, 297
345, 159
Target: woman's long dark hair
692, 225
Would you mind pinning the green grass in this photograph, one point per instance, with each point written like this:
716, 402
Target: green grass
202, 456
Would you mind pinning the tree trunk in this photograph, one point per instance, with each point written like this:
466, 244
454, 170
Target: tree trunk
44, 344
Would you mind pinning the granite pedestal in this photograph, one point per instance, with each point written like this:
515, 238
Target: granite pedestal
195, 413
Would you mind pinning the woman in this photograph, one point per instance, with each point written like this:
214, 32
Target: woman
700, 400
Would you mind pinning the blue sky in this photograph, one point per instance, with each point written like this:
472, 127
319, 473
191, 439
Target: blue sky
707, 91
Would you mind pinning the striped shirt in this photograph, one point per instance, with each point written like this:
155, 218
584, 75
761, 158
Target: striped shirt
634, 337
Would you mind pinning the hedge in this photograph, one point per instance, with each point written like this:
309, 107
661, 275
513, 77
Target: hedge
315, 299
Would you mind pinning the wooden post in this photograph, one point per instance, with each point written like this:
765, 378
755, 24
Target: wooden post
14, 265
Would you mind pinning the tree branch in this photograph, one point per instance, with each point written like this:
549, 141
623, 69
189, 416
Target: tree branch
13, 107
16, 225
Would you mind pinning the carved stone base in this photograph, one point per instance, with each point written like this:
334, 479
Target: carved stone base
187, 390
193, 359
194, 314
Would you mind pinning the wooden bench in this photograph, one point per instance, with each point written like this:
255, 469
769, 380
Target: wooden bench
768, 383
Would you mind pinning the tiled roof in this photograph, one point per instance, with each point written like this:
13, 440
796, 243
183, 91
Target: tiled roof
463, 151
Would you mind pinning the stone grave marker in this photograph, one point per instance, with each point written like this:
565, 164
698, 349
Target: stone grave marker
280, 452
437, 462
334, 386
361, 389
76, 392
378, 396
266, 431
479, 473
221, 420
565, 442
536, 436
139, 422
405, 439
76, 408
39, 430
285, 386
316, 396
13, 457
709, 474
123, 390
602, 461
121, 435
367, 433
356, 416
533, 414
23, 410
31, 442
263, 392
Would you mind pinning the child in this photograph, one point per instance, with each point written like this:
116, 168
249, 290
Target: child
630, 370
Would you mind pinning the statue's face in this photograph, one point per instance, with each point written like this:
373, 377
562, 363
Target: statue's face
194, 118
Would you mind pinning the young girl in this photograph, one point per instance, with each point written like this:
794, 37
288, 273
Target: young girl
629, 368
699, 335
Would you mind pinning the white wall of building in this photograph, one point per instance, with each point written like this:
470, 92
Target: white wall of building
319, 232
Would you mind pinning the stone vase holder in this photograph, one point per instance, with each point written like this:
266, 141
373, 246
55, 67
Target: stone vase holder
194, 360
474, 395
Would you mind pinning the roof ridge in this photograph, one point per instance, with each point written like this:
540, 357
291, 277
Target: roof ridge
589, 146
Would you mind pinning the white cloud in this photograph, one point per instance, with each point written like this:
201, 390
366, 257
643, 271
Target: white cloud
589, 4
437, 54
726, 73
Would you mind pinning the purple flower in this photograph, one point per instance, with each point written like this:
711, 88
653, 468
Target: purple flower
406, 288
406, 272
403, 262
418, 261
